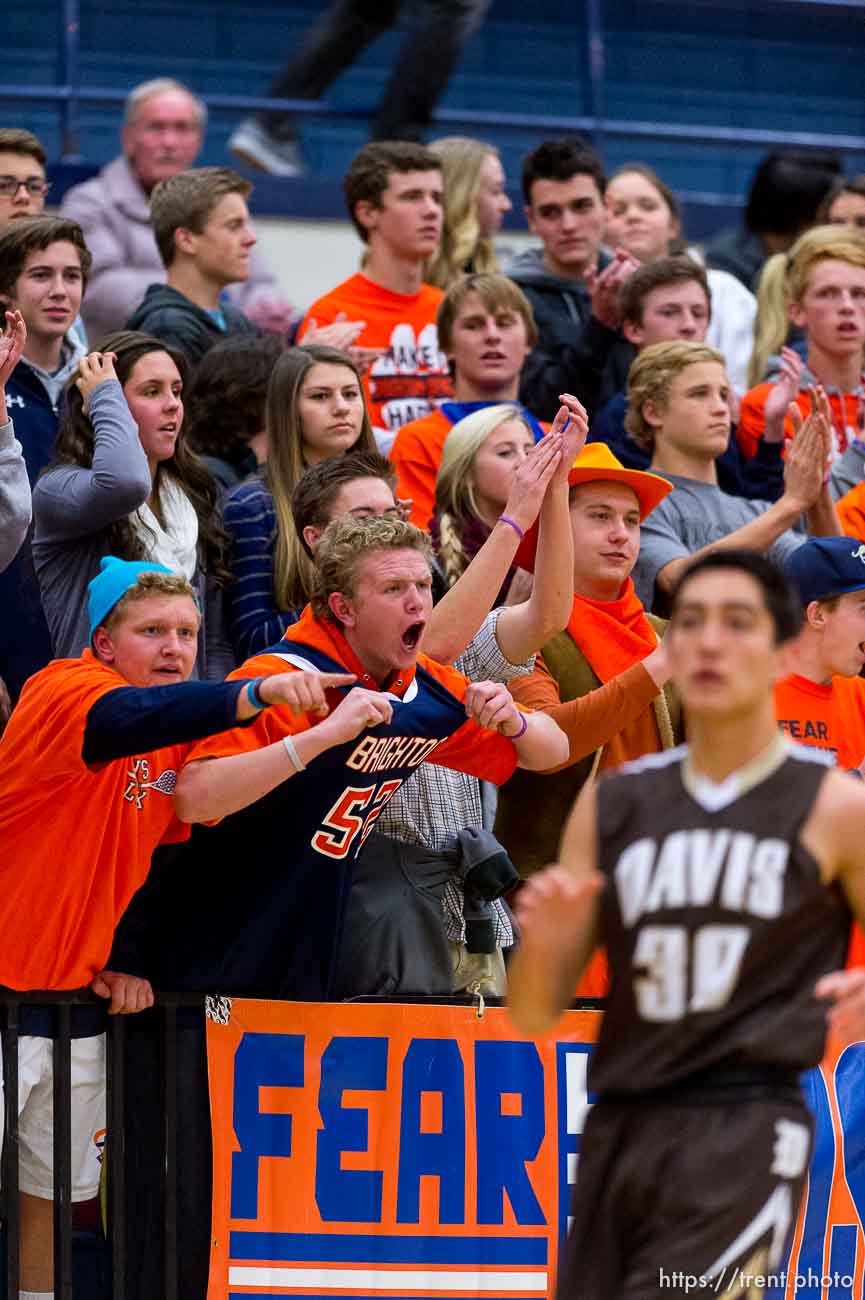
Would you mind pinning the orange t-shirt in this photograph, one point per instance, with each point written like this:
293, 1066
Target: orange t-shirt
851, 512
77, 840
470, 749
416, 456
829, 717
752, 419
406, 382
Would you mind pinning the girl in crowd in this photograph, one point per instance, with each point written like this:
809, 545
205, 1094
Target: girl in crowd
124, 482
844, 205
481, 455
475, 203
225, 401
772, 328
315, 410
644, 217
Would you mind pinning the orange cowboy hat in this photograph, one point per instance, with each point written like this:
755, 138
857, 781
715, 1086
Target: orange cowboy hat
596, 463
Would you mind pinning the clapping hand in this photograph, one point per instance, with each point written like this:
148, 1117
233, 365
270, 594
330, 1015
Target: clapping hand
11, 345
784, 391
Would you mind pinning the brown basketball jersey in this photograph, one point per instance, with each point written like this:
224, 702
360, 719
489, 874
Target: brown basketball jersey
716, 924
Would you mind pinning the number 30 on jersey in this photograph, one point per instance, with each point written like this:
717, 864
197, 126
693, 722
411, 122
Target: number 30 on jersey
662, 987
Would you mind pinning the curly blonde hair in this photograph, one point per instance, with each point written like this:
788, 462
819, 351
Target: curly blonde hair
455, 503
346, 543
462, 243
650, 377
783, 281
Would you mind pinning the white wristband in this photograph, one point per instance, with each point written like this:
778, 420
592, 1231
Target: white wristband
291, 749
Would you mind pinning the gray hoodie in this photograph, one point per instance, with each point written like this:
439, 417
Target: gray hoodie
14, 495
575, 353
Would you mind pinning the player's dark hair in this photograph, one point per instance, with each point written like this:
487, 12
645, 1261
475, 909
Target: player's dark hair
318, 487
779, 596
559, 160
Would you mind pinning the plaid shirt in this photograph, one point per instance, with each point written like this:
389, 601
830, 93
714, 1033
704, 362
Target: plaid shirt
434, 804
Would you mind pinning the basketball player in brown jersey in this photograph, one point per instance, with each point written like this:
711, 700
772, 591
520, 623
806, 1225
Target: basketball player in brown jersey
721, 877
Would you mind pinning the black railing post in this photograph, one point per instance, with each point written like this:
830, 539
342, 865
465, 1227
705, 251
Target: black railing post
169, 1078
115, 1146
62, 1125
9, 1193
596, 61
70, 148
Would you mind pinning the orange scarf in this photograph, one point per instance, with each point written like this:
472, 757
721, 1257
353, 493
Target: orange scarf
612, 634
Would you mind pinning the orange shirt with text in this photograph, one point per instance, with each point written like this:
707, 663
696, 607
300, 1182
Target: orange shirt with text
77, 840
413, 374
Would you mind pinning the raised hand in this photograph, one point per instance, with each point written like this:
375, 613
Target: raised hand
844, 990
805, 466
94, 369
604, 288
530, 480
303, 692
491, 706
573, 423
11, 344
784, 391
342, 333
551, 905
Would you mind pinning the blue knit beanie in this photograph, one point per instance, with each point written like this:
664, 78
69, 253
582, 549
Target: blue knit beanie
114, 579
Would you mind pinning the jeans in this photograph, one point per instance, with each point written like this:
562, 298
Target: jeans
422, 70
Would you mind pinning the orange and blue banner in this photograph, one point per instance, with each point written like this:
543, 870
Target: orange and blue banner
416, 1152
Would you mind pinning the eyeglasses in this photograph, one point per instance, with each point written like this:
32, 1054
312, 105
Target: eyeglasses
10, 185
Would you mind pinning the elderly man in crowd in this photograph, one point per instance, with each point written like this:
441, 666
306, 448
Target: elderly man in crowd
163, 131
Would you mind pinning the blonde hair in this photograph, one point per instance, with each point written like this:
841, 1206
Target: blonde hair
455, 502
783, 281
496, 292
462, 243
651, 376
293, 572
346, 543
150, 583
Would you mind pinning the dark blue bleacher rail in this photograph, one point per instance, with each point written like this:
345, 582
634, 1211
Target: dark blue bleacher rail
641, 79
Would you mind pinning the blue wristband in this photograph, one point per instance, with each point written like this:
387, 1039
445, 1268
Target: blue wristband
253, 694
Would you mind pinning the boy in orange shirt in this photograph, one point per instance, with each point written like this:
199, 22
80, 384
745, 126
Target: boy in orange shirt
394, 194
486, 330
88, 765
826, 293
821, 702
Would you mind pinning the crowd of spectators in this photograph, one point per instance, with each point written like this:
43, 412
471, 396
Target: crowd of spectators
286, 599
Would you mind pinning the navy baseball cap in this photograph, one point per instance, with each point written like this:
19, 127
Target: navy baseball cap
827, 566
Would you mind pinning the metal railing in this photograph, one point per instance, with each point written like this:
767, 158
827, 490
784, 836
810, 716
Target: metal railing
62, 1005
71, 94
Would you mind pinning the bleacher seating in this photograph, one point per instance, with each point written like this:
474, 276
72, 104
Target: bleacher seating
782, 66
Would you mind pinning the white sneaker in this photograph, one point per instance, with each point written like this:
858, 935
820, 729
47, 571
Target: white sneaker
257, 148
